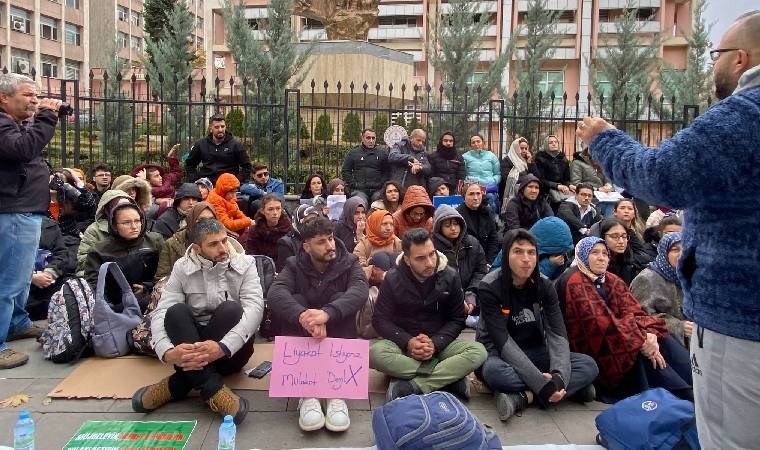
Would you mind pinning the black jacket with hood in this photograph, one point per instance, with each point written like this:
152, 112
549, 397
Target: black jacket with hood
465, 254
365, 169
345, 228
169, 222
493, 331
24, 188
61, 264
340, 292
523, 213
446, 163
405, 307
228, 157
482, 226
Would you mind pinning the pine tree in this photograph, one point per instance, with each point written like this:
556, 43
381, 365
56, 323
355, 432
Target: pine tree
276, 61
234, 121
323, 130
380, 124
156, 17
455, 54
626, 69
115, 117
692, 86
352, 128
540, 28
172, 63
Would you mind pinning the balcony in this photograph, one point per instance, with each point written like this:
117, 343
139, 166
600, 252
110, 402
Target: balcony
649, 26
554, 5
622, 4
562, 28
559, 53
481, 7
395, 33
400, 10
317, 33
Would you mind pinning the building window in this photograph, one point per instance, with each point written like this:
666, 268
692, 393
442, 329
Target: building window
122, 13
135, 18
49, 66
72, 70
397, 21
21, 20
199, 43
21, 62
135, 43
475, 79
199, 23
551, 82
603, 85
72, 4
72, 35
121, 40
48, 28
311, 24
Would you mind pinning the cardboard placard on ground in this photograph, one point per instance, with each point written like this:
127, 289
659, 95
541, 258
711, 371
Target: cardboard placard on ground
119, 378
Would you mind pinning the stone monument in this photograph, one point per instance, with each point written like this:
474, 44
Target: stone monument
343, 19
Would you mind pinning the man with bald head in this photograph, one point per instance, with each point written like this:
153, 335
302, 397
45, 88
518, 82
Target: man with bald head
409, 163
711, 170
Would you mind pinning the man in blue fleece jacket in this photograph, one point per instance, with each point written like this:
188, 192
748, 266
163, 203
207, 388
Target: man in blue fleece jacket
711, 170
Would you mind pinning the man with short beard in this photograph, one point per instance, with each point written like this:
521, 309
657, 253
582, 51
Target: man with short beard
365, 168
710, 170
317, 294
217, 153
409, 164
205, 322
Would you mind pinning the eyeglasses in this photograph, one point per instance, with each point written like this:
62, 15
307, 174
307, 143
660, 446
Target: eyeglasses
617, 237
130, 223
262, 174
715, 54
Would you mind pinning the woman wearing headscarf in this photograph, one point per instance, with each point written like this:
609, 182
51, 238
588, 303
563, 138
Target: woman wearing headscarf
376, 251
658, 289
517, 162
633, 350
351, 226
175, 247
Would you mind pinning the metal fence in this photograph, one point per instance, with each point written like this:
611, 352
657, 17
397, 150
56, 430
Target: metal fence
302, 131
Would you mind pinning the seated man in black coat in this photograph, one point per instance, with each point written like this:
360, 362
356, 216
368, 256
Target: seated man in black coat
419, 314
318, 293
528, 206
174, 218
579, 213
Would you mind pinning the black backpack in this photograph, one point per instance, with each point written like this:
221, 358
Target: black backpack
265, 266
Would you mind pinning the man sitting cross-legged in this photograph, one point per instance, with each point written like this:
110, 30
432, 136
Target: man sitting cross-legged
317, 294
205, 322
419, 314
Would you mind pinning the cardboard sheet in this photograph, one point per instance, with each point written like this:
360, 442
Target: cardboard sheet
119, 378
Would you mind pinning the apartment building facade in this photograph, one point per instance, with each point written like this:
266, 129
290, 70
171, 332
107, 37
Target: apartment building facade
586, 29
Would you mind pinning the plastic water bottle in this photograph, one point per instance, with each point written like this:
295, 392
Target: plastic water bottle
23, 432
227, 434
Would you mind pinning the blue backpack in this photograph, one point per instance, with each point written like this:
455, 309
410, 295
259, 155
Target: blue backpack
432, 421
654, 419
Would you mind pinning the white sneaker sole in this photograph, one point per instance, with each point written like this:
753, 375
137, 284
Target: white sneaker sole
337, 428
318, 426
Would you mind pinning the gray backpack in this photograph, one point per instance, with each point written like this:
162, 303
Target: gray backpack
113, 321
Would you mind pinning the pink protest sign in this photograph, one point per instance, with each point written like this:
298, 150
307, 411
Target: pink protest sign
321, 368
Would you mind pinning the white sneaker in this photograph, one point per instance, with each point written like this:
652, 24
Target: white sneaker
310, 416
336, 413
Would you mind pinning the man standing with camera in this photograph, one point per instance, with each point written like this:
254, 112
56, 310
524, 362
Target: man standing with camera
24, 200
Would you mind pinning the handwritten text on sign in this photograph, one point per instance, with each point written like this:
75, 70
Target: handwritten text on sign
326, 368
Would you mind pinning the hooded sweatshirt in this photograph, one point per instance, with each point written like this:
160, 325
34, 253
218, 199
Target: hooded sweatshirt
228, 211
175, 246
173, 218
464, 254
227, 157
552, 237
98, 230
523, 213
413, 197
345, 228
435, 182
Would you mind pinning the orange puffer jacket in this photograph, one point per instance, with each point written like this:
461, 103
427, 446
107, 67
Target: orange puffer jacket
227, 211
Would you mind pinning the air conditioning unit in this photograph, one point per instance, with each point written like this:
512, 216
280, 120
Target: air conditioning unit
23, 66
18, 25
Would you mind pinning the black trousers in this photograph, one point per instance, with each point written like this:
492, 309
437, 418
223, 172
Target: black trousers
182, 328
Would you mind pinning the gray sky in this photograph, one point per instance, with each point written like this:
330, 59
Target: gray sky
722, 13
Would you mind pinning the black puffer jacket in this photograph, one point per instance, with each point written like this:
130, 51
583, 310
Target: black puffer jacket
405, 307
169, 222
523, 213
24, 174
228, 157
554, 169
340, 291
447, 164
365, 169
482, 226
465, 254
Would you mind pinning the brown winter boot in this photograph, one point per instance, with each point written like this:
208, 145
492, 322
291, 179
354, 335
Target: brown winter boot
149, 398
226, 402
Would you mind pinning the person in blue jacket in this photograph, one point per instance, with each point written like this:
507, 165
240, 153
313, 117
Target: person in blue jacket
261, 184
711, 170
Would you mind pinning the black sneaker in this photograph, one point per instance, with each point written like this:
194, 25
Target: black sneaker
401, 388
459, 388
507, 405
585, 395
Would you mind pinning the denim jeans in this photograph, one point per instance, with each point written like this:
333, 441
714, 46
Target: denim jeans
19, 239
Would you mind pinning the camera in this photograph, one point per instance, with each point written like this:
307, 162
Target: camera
65, 110
56, 183
64, 189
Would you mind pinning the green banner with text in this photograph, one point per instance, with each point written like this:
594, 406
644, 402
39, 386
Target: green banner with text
118, 434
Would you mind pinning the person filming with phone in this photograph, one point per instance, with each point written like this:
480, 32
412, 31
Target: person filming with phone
27, 125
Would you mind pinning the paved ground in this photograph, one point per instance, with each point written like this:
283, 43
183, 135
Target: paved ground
271, 424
